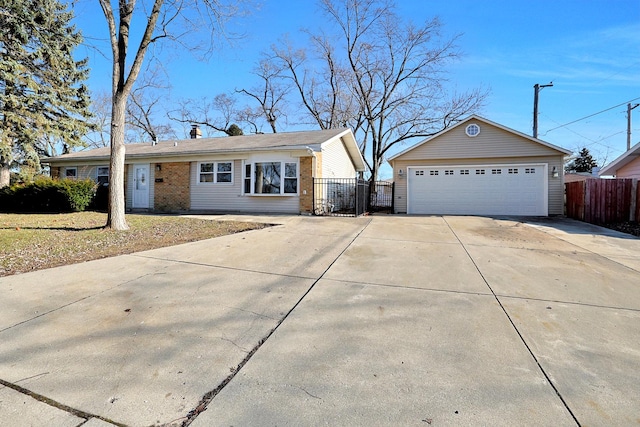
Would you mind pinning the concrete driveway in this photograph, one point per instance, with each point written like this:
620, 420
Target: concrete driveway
384, 320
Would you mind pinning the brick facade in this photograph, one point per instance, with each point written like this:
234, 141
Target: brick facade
306, 181
172, 187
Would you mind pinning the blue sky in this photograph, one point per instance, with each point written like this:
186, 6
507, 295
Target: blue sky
590, 49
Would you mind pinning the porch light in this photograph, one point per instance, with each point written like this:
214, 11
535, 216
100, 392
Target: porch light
554, 172
400, 173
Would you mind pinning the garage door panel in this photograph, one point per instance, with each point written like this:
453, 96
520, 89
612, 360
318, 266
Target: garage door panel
481, 190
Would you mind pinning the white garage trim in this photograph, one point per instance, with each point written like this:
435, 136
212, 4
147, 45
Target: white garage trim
485, 189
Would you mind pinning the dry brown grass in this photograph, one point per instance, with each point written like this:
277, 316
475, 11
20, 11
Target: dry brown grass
35, 241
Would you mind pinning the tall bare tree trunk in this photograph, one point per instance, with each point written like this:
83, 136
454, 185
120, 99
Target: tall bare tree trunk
116, 213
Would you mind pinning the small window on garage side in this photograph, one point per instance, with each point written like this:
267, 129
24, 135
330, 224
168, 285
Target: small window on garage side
102, 175
480, 171
464, 171
71, 173
496, 171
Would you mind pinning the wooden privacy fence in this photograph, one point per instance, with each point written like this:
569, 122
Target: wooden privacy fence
603, 201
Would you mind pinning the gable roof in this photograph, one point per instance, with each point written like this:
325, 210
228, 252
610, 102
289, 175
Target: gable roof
475, 117
627, 157
288, 141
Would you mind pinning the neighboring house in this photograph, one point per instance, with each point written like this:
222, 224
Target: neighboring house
578, 176
479, 167
625, 166
267, 173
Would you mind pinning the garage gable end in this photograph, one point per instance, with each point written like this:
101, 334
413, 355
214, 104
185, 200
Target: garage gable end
478, 138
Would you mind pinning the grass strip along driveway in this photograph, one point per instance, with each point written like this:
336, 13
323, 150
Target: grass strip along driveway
31, 242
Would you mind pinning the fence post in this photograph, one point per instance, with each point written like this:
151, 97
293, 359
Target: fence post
634, 200
587, 201
393, 197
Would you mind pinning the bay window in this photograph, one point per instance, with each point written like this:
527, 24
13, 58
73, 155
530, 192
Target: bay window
271, 178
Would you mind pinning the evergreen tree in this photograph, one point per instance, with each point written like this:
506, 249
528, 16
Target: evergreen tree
583, 163
42, 95
234, 130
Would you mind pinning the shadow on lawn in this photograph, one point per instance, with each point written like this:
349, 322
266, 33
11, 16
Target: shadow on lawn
99, 227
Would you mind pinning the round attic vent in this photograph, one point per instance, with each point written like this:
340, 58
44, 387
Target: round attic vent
472, 130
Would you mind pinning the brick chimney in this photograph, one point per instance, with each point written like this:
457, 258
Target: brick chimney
195, 132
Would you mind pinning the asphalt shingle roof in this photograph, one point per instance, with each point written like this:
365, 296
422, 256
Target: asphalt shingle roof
229, 144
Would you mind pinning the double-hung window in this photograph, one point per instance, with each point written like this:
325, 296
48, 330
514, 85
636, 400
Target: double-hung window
71, 173
271, 178
215, 172
102, 175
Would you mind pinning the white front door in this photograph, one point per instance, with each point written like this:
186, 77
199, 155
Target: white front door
140, 186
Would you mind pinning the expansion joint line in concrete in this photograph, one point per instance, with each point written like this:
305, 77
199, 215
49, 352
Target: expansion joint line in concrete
513, 325
68, 304
208, 397
77, 412
585, 249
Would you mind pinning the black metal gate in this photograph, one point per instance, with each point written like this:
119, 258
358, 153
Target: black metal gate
351, 197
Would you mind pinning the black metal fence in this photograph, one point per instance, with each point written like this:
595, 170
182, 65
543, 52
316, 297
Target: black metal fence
351, 197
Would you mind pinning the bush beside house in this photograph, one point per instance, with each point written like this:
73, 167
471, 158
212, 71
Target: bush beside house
48, 195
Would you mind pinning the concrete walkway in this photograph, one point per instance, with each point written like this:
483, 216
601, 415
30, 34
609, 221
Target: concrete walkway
385, 320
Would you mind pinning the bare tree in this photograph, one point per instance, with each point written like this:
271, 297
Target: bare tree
164, 20
222, 114
383, 77
142, 114
100, 121
270, 95
217, 115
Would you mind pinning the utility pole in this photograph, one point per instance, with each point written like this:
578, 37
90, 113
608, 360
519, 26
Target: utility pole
629, 108
537, 88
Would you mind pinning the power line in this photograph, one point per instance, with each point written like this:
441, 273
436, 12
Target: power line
591, 115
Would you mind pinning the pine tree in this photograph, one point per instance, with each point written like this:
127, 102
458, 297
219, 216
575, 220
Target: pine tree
42, 95
583, 163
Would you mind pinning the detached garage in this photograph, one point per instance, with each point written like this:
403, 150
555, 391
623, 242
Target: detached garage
479, 167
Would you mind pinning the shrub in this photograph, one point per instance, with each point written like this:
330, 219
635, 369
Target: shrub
48, 195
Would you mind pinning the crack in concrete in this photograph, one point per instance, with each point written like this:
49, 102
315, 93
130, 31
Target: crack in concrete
48, 401
209, 396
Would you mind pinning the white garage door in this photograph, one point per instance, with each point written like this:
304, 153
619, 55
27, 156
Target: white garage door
478, 190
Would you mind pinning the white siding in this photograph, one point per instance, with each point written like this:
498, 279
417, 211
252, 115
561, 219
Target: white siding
84, 171
336, 162
228, 197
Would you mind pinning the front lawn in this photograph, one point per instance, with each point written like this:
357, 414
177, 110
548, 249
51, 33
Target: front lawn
35, 241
